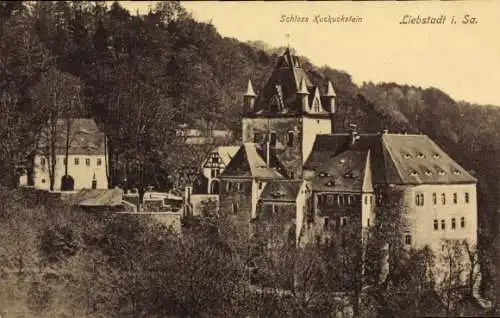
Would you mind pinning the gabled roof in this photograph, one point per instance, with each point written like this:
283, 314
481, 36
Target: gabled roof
344, 172
84, 135
226, 153
395, 158
281, 191
247, 162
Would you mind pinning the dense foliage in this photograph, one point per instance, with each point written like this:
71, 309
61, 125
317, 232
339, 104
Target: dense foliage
141, 76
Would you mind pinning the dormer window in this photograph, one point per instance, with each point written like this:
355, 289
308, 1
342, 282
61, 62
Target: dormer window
441, 172
406, 156
323, 174
342, 160
456, 172
428, 173
413, 173
330, 183
436, 156
420, 155
349, 175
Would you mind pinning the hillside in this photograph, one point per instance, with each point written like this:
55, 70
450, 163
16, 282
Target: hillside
141, 76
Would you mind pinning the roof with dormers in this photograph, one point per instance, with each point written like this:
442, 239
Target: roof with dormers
280, 94
395, 158
248, 163
344, 172
281, 191
85, 137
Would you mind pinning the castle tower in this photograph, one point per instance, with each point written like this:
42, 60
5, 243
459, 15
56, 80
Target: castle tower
289, 112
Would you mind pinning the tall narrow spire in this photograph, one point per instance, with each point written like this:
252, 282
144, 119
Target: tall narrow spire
330, 92
250, 91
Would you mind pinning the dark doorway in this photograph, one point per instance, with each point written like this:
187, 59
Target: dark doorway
94, 184
214, 187
67, 183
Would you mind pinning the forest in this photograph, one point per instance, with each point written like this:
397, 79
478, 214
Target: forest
139, 76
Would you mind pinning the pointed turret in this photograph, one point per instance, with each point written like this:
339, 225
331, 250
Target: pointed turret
330, 91
250, 91
304, 94
249, 98
331, 96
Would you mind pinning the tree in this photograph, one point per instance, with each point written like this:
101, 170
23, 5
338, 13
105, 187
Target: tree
56, 96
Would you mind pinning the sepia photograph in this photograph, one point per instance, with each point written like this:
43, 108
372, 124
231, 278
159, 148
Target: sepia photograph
249, 159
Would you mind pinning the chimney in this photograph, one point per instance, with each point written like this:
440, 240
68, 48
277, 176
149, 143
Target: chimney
249, 98
330, 93
304, 95
353, 133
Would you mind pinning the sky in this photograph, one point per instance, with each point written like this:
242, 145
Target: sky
463, 60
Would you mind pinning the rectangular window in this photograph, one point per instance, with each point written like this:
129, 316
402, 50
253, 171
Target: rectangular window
272, 139
443, 198
455, 198
290, 139
240, 186
42, 162
77, 161
453, 224
341, 199
87, 161
65, 161
260, 185
466, 197
434, 198
366, 199
436, 225
256, 138
443, 225
343, 221
462, 222
99, 161
350, 200
212, 173
235, 207
368, 222
408, 239
371, 199
325, 225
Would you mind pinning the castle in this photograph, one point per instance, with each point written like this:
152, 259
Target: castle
304, 181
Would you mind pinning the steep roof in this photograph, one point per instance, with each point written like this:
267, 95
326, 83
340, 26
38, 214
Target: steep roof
279, 96
417, 159
84, 135
226, 153
395, 158
344, 172
247, 162
281, 191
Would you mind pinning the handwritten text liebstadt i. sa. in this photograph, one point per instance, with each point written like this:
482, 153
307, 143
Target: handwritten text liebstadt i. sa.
440, 19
